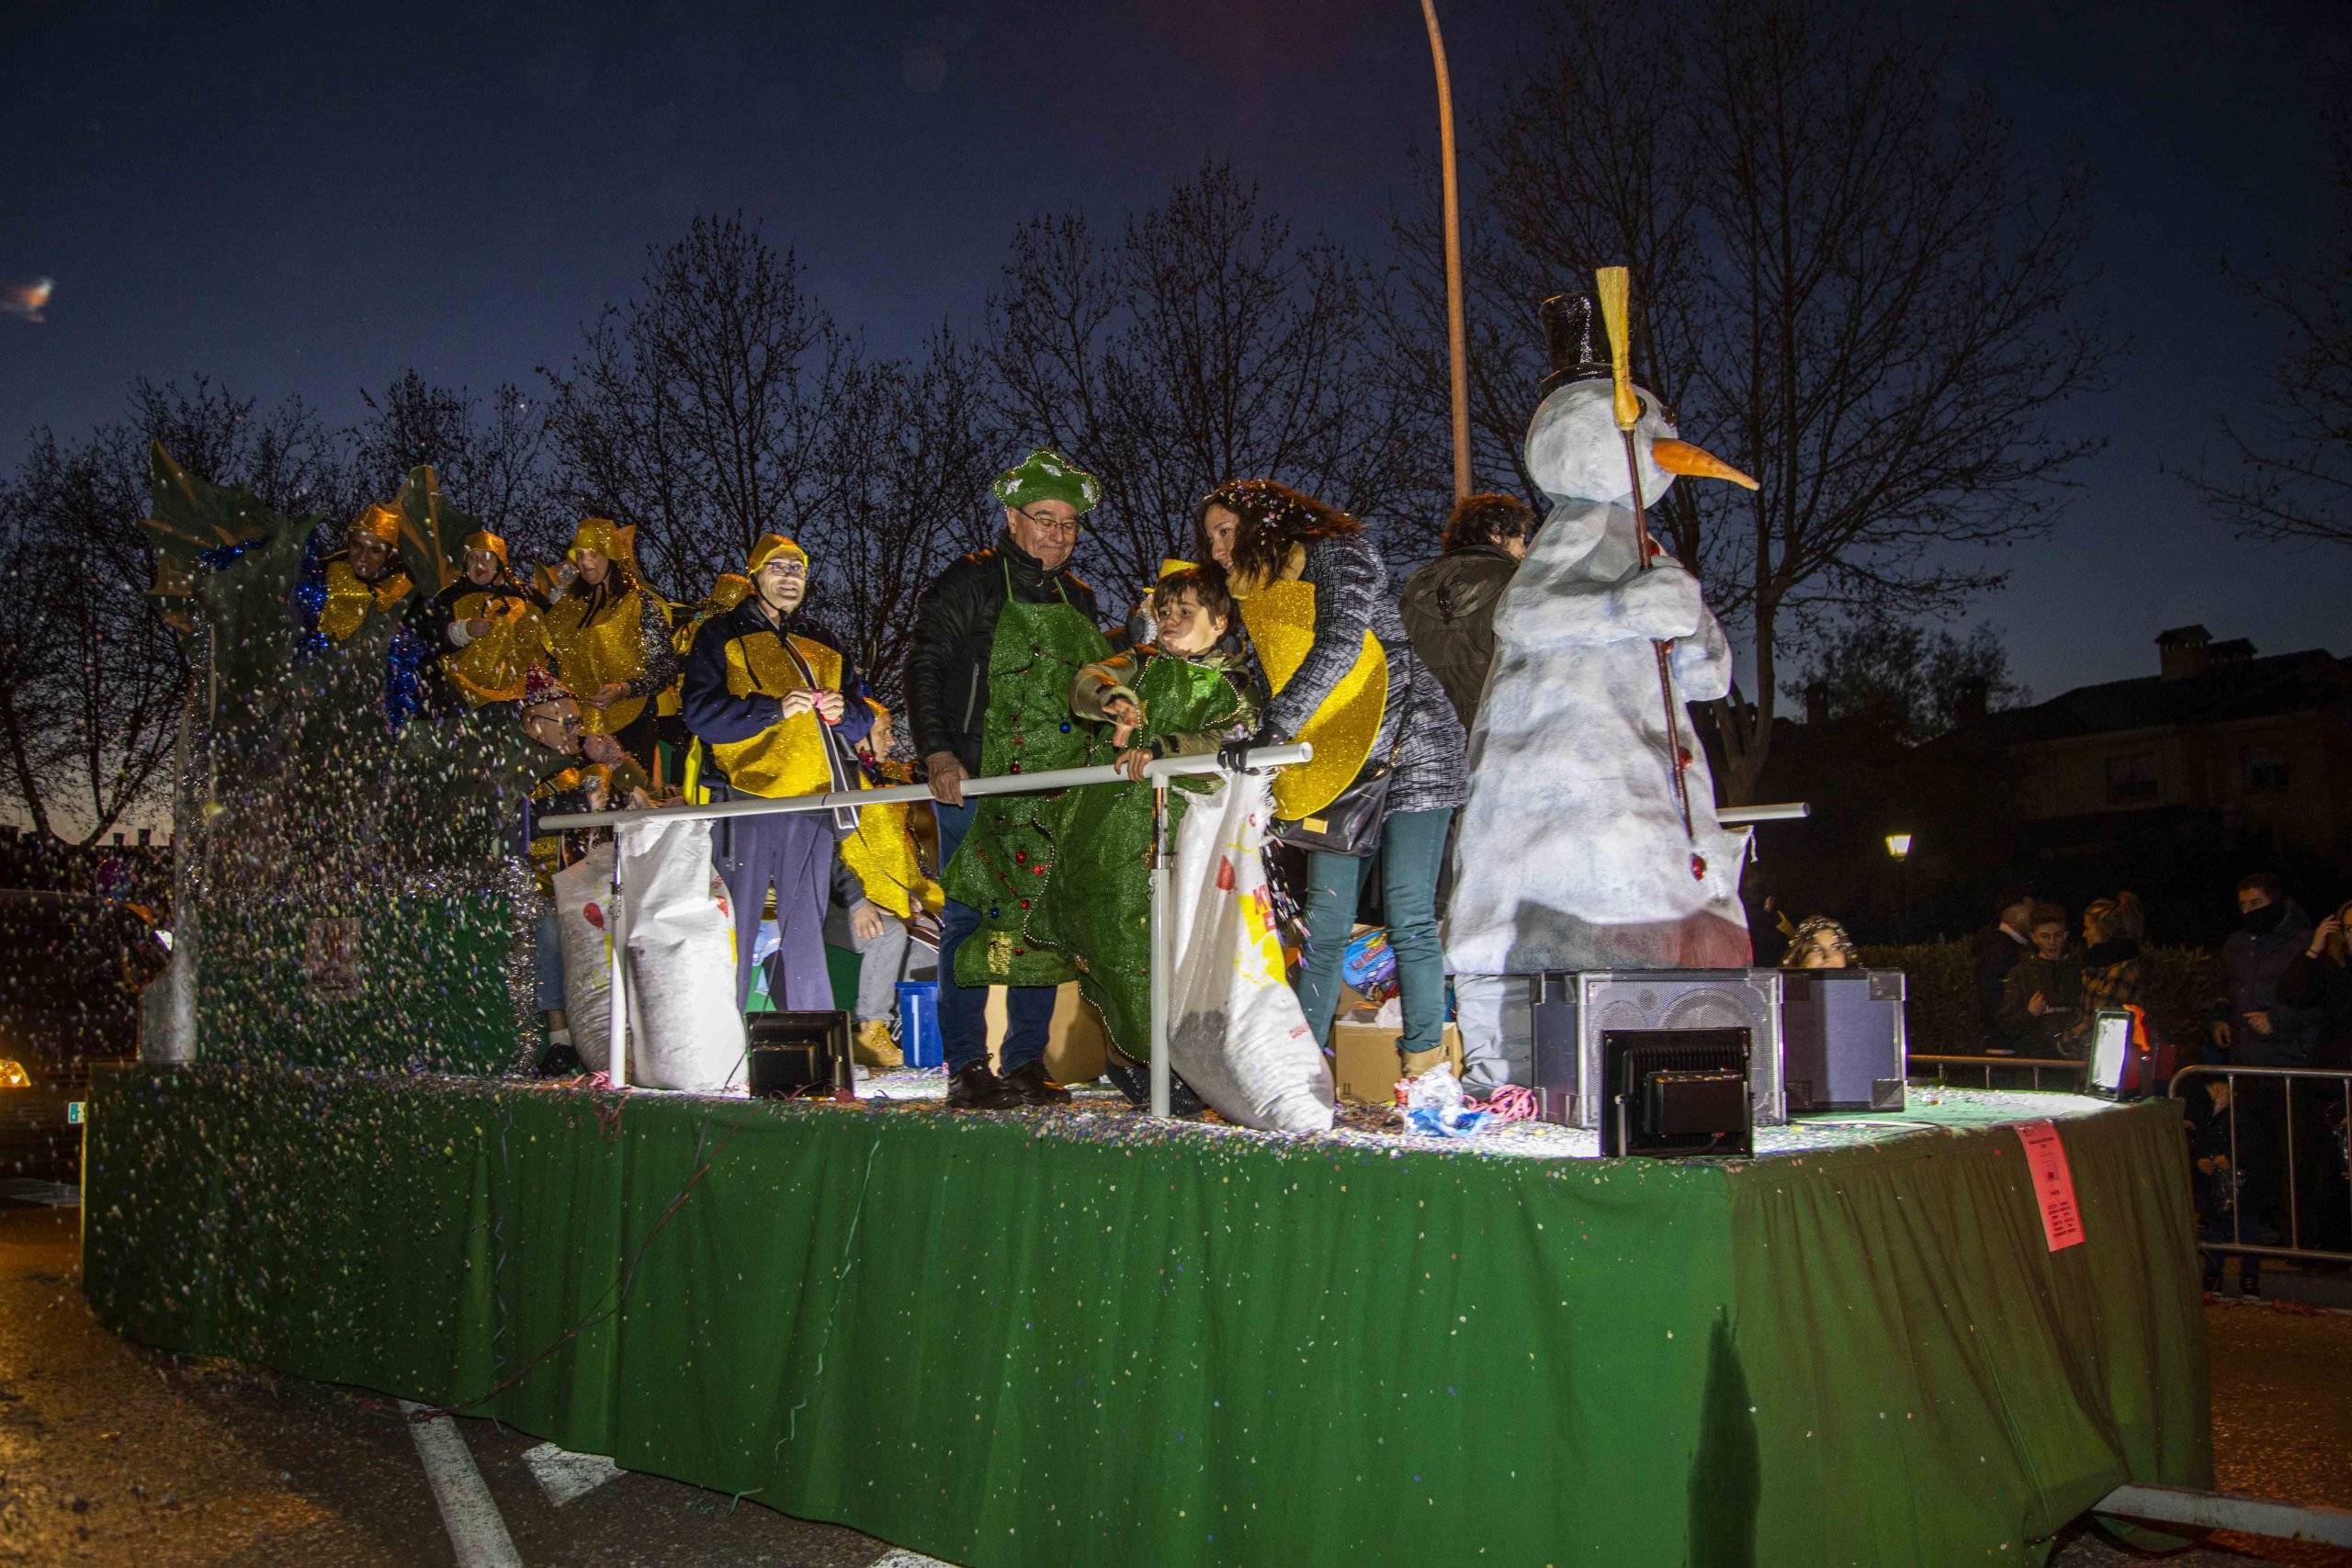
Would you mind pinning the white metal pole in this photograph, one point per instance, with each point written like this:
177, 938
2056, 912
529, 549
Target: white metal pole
1162, 856
616, 932
1262, 758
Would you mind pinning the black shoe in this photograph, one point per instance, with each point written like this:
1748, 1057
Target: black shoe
2249, 1278
1029, 1082
1134, 1081
976, 1088
561, 1060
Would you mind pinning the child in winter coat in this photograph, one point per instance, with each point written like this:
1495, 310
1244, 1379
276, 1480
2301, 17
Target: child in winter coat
1179, 696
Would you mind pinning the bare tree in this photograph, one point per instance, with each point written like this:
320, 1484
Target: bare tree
697, 410
1201, 344
490, 459
906, 468
90, 678
2293, 483
1844, 283
1912, 683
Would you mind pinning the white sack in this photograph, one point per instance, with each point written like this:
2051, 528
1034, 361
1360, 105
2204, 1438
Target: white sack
1234, 1031
582, 915
682, 961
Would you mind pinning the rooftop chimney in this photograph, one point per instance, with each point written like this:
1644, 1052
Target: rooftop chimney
1816, 705
2182, 652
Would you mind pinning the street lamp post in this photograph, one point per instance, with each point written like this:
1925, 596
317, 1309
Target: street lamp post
1456, 334
1898, 848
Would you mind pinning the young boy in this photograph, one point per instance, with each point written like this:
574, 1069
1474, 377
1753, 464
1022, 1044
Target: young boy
1179, 696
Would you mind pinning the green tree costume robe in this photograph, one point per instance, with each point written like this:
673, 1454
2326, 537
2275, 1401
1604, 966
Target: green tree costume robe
1002, 868
1097, 906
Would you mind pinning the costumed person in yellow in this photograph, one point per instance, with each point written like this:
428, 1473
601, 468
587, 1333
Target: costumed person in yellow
338, 589
728, 590
1312, 586
997, 637
610, 636
878, 898
599, 771
483, 629
763, 695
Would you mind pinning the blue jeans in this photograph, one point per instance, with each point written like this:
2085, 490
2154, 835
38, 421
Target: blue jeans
1412, 848
964, 1009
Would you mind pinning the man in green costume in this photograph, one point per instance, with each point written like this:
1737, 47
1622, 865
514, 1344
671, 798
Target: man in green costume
998, 638
1182, 695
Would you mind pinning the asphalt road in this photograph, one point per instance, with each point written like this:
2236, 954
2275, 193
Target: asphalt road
112, 1453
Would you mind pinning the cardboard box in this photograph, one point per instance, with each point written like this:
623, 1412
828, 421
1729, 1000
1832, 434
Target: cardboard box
1076, 1045
1364, 1067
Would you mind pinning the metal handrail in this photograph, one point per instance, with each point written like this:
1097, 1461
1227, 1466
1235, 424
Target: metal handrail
2036, 1063
2342, 1079
1258, 759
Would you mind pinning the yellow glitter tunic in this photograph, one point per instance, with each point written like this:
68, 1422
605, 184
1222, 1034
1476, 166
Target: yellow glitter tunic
490, 669
882, 852
591, 655
1281, 618
350, 600
785, 759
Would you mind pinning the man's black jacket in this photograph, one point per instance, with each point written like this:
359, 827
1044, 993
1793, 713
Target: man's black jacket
947, 664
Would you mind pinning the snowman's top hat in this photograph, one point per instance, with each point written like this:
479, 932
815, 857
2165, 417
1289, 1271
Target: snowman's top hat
1579, 351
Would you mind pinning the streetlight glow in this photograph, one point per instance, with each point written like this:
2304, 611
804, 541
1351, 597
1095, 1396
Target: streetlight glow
1899, 845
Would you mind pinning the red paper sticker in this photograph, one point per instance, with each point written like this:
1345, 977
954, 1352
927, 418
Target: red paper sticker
2053, 1184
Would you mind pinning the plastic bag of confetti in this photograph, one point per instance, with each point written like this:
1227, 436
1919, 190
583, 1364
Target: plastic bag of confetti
584, 914
1234, 1031
1433, 1105
682, 961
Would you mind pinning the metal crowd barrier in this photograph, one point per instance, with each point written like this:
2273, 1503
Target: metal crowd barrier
2038, 1064
2332, 1148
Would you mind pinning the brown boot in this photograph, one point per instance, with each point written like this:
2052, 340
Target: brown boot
874, 1049
1418, 1062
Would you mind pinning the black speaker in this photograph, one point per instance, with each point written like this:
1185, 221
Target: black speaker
1676, 1093
1573, 1011
796, 1053
1843, 1040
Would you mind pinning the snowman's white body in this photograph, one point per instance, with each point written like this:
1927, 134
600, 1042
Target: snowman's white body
1572, 853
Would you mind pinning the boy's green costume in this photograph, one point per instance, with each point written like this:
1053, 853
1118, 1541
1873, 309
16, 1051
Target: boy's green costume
1097, 902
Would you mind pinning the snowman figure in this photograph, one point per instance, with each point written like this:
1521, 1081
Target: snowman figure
1573, 854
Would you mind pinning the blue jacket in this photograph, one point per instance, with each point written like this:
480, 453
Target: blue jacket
717, 717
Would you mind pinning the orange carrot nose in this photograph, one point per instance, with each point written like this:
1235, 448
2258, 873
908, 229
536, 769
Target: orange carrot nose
1696, 462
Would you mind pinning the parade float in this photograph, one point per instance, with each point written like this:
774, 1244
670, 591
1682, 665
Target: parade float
1086, 1333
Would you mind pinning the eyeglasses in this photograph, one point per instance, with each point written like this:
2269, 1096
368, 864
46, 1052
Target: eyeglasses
785, 568
565, 722
1054, 524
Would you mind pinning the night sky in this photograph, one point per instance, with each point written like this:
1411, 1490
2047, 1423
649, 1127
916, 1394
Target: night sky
307, 199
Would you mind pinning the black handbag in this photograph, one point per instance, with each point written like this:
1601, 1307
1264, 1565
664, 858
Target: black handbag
1349, 826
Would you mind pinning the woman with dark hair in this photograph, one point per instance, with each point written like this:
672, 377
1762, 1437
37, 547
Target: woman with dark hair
1448, 607
1263, 532
611, 638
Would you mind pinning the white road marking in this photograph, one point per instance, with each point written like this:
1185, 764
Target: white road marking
477, 1532
565, 1476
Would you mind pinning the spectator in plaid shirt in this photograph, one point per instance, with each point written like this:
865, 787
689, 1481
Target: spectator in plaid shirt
2111, 973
